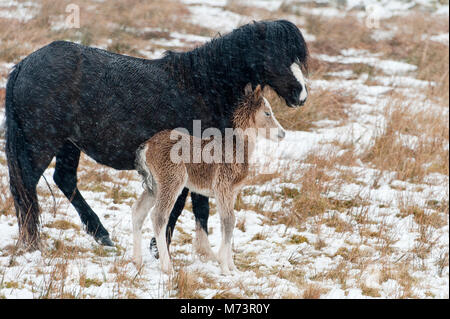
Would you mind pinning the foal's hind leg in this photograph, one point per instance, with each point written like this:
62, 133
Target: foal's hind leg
174, 214
140, 211
65, 177
200, 207
165, 199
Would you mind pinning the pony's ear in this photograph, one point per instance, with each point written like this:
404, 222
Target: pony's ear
258, 90
248, 89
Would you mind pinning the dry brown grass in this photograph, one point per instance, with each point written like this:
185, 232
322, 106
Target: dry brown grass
321, 105
333, 34
312, 291
431, 58
120, 21
6, 201
257, 13
429, 154
62, 224
320, 176
186, 284
317, 183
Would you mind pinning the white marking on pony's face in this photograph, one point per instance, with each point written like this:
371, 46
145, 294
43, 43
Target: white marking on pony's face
295, 68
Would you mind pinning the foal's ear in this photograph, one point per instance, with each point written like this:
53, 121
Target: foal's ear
258, 90
248, 89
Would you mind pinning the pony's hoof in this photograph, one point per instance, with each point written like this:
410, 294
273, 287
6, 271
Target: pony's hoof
154, 248
105, 241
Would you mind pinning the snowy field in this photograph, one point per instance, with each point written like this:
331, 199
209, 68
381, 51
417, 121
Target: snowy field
356, 205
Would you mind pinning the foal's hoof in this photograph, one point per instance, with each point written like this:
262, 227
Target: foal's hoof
154, 248
105, 241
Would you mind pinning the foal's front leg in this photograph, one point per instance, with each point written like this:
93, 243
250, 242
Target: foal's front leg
225, 205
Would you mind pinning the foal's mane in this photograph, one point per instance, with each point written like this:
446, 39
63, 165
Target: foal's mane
245, 112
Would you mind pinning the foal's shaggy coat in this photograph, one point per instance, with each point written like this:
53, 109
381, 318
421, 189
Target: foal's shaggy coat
166, 179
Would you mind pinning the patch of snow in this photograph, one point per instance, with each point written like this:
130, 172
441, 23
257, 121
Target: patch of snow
352, 56
442, 38
22, 11
216, 18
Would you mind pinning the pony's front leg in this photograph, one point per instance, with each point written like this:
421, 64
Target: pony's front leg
228, 220
140, 211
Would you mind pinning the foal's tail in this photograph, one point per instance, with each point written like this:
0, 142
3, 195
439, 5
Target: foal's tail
148, 181
3, 127
20, 170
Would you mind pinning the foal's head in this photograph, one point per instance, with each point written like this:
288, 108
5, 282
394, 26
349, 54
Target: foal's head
255, 112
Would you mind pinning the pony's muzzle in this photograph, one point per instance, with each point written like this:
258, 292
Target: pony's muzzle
302, 102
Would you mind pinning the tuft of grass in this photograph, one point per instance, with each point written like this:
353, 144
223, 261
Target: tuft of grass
241, 224
62, 224
88, 282
259, 236
298, 239
226, 294
187, 285
371, 292
312, 291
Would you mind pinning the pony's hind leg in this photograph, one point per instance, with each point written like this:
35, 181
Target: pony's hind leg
140, 211
25, 169
65, 177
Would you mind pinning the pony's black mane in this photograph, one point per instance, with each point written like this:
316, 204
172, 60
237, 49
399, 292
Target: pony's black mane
228, 62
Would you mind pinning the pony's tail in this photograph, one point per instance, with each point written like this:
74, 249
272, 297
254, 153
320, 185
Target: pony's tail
20, 171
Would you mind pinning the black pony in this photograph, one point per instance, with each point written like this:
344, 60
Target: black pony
66, 98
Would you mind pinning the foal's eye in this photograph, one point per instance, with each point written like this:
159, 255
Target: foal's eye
267, 114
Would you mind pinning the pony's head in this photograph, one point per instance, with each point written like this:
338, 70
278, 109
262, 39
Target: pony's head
285, 60
272, 53
255, 112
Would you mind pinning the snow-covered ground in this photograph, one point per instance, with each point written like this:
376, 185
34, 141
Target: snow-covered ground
275, 260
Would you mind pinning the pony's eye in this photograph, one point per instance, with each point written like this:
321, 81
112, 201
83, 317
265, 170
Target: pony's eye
267, 114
